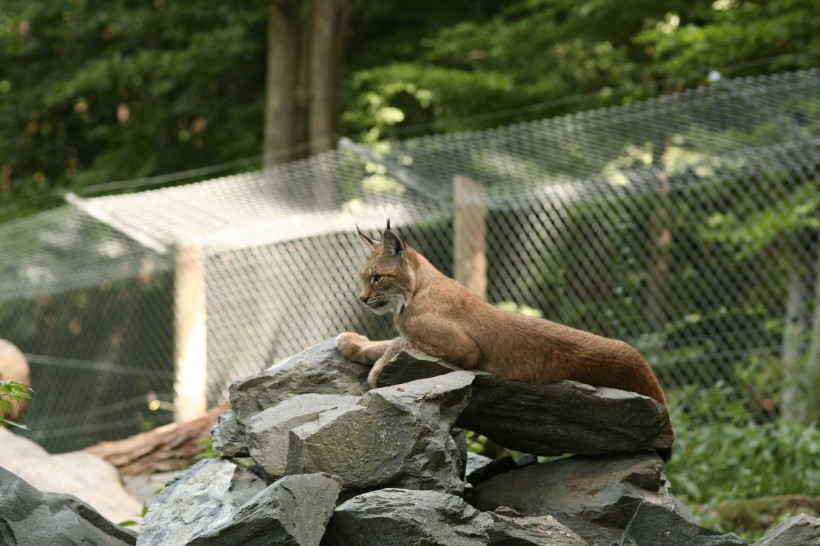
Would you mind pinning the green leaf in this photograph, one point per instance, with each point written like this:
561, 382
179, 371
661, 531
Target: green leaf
14, 424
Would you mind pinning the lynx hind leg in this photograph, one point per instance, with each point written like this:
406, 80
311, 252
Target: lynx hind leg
359, 348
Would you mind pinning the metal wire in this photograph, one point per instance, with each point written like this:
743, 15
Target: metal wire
684, 225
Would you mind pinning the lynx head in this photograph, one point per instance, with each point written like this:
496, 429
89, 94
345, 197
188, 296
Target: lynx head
389, 279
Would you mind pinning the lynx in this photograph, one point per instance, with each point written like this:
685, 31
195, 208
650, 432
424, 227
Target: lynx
437, 315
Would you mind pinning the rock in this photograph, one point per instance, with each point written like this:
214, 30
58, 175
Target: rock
394, 436
292, 511
536, 530
401, 516
321, 369
551, 419
206, 496
268, 432
78, 473
800, 530
475, 463
229, 436
594, 496
653, 524
498, 466
29, 516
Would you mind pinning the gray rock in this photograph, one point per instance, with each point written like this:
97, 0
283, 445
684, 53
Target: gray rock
268, 432
475, 462
653, 524
292, 511
321, 369
551, 419
800, 530
594, 496
401, 516
77, 473
229, 436
395, 436
498, 466
514, 529
29, 516
421, 518
204, 497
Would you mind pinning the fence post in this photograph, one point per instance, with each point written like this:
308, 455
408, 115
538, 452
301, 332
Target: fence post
469, 235
190, 348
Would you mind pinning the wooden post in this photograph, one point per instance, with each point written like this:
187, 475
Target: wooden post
469, 227
190, 347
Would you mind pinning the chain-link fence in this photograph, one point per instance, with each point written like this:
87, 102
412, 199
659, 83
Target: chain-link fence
687, 225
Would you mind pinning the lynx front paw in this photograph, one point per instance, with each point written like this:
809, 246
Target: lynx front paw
351, 345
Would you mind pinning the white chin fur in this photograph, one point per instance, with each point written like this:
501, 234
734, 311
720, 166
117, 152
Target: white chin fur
393, 305
384, 309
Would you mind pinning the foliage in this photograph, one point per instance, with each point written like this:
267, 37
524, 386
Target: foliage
98, 91
752, 518
531, 55
12, 391
93, 92
682, 43
207, 451
734, 457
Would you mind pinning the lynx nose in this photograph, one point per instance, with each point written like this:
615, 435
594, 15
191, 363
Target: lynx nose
364, 297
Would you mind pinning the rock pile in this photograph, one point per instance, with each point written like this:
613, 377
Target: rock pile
310, 455
331, 461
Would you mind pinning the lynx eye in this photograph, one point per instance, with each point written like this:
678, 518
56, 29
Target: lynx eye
377, 278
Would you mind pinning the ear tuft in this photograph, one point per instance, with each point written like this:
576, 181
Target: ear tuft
371, 243
393, 244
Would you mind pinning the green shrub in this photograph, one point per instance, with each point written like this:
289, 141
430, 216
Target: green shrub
733, 457
11, 391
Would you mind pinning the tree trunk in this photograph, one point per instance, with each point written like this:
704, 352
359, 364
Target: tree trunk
660, 225
280, 101
304, 70
801, 333
327, 21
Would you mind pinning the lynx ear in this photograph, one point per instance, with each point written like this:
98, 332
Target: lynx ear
392, 243
371, 243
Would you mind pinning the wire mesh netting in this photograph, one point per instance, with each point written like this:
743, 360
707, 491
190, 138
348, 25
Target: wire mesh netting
687, 225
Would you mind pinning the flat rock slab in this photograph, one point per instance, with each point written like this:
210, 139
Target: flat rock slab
218, 502
594, 496
549, 419
653, 524
29, 516
800, 530
400, 516
205, 496
268, 432
320, 369
396, 436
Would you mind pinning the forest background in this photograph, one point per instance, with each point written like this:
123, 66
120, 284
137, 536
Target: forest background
97, 92
105, 97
